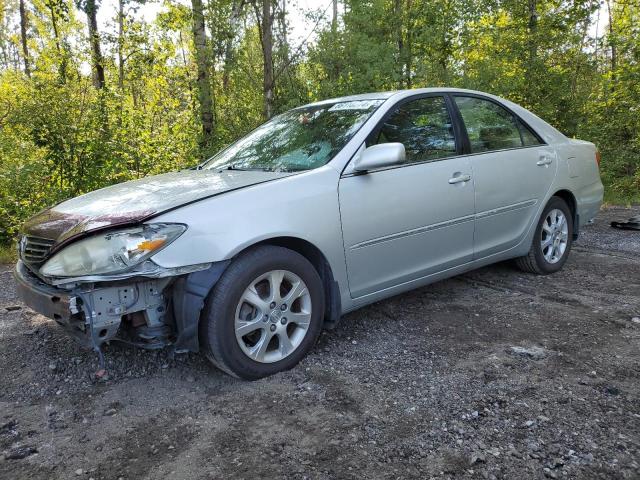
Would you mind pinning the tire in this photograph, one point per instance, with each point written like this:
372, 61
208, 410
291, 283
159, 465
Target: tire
242, 300
542, 260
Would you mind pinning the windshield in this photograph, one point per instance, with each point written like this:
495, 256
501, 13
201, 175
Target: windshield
300, 139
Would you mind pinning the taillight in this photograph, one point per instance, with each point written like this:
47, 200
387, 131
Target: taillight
598, 158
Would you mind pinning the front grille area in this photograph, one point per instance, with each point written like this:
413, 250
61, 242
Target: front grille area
34, 250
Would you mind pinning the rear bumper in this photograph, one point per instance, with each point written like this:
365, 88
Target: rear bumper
590, 199
55, 303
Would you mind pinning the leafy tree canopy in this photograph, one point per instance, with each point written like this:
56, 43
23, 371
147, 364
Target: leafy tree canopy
177, 89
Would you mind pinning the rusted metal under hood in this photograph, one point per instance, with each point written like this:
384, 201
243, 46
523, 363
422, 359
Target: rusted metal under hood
135, 201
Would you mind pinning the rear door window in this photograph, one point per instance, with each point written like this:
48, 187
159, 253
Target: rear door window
492, 127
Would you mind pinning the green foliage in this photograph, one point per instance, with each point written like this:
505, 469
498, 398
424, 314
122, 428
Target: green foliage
60, 136
59, 141
8, 254
612, 113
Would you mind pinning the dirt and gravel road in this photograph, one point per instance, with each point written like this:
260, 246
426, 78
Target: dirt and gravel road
492, 374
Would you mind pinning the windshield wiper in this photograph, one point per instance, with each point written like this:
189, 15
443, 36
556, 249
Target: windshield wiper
232, 166
258, 168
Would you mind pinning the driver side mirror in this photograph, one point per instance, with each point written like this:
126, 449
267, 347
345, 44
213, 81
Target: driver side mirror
379, 156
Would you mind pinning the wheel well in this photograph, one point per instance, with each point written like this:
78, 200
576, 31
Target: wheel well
320, 263
189, 292
568, 197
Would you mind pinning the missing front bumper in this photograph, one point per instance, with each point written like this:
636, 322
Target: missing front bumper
134, 311
52, 302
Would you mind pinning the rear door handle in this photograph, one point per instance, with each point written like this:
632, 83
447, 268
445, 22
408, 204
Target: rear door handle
544, 161
459, 178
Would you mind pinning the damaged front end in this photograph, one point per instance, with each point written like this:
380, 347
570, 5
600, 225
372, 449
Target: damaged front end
135, 310
105, 286
87, 262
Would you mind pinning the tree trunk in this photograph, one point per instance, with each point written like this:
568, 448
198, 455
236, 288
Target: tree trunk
334, 69
23, 38
236, 10
408, 61
268, 84
94, 38
446, 47
120, 44
205, 96
282, 17
62, 53
612, 41
398, 15
533, 29
334, 18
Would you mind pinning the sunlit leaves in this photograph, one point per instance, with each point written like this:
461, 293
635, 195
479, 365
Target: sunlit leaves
59, 137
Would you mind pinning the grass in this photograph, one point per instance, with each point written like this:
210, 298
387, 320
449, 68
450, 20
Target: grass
614, 198
8, 254
622, 191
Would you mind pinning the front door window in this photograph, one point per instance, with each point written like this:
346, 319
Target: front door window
424, 127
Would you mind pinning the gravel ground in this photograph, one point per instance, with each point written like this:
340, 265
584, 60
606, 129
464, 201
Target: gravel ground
492, 374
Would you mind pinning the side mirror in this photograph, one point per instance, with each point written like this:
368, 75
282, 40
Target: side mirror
379, 156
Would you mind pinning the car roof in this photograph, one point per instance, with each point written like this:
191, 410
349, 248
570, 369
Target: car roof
353, 98
548, 132
392, 93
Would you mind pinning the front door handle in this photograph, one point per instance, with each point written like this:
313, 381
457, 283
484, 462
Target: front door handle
544, 161
459, 178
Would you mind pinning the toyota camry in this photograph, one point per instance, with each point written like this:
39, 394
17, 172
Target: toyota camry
321, 210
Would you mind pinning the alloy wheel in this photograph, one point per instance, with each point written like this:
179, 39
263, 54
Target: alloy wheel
554, 236
273, 316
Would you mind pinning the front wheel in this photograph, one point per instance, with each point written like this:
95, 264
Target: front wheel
552, 240
264, 314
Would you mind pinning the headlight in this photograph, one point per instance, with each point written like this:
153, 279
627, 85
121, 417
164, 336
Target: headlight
111, 252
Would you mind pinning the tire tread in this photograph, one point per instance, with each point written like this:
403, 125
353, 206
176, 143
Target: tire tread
212, 345
528, 263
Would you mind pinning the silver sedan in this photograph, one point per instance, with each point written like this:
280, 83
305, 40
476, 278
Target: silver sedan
322, 210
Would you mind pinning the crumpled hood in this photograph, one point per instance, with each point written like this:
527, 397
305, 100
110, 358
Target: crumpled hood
135, 201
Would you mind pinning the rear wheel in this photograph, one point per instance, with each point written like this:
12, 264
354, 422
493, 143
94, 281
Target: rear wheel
552, 240
264, 314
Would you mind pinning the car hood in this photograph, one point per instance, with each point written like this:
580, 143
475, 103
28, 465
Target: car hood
138, 200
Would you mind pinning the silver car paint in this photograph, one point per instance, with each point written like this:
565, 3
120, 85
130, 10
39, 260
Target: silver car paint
309, 206
236, 220
509, 186
162, 192
398, 226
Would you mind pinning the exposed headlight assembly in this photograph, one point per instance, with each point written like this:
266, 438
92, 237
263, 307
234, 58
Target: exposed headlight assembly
111, 252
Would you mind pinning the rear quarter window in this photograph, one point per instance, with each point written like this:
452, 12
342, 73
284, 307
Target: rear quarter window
528, 138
